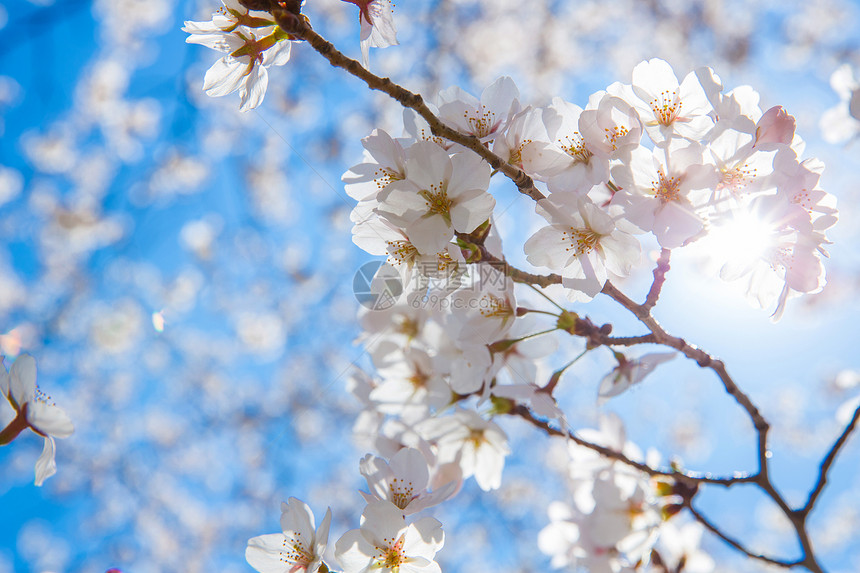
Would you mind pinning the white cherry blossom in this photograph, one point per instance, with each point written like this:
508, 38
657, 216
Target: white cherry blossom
610, 125
376, 18
664, 191
299, 549
668, 109
524, 128
410, 386
405, 481
385, 543
680, 544
228, 18
486, 118
565, 160
611, 527
485, 308
440, 195
466, 361
34, 410
478, 446
248, 52
384, 161
630, 372
582, 243
378, 236
842, 122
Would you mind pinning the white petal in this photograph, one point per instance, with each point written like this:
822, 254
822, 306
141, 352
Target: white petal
254, 90
410, 466
45, 465
224, 77
297, 520
353, 552
263, 553
382, 520
321, 537
22, 381
424, 538
49, 420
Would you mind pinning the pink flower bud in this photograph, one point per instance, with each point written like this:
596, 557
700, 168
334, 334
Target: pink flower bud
775, 126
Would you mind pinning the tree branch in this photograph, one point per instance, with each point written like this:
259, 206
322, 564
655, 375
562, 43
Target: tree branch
734, 543
414, 101
687, 478
828, 462
704, 360
659, 278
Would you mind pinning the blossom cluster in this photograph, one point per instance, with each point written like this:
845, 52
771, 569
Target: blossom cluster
683, 162
385, 541
619, 517
714, 169
252, 42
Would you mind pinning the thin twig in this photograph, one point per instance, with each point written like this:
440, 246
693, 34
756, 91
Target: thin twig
628, 340
736, 544
689, 478
704, 360
524, 183
828, 462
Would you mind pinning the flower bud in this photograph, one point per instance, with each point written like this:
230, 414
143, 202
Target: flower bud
775, 126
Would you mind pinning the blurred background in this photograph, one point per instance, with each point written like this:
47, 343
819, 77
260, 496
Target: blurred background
182, 273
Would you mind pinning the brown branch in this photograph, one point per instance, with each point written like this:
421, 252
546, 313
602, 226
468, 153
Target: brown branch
736, 544
659, 278
524, 183
628, 340
828, 462
688, 478
703, 359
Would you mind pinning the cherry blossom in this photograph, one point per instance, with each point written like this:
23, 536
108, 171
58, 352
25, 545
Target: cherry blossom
440, 195
378, 236
249, 51
680, 544
387, 544
665, 190
299, 549
478, 446
582, 243
466, 361
610, 125
668, 109
410, 386
776, 126
565, 160
404, 481
630, 372
34, 410
485, 308
377, 26
228, 18
486, 118
384, 161
611, 527
525, 127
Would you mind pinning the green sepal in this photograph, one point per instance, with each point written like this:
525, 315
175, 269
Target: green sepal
567, 321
